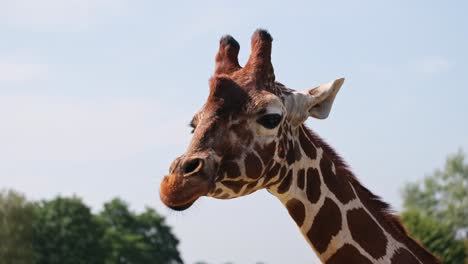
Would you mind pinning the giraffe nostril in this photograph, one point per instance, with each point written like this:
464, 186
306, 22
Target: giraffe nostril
192, 166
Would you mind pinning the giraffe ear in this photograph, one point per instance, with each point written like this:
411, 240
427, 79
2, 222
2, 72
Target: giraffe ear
316, 102
322, 98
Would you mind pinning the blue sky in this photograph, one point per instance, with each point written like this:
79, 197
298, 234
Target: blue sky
96, 95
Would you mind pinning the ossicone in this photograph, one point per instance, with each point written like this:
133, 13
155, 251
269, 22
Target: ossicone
259, 64
226, 61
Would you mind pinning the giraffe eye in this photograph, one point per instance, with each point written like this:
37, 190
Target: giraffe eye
270, 121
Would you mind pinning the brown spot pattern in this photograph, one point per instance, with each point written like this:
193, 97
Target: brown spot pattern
339, 186
297, 211
235, 186
290, 153
286, 183
348, 254
327, 223
280, 177
307, 145
365, 231
313, 185
403, 256
231, 169
253, 166
380, 211
282, 148
301, 179
272, 172
250, 187
266, 153
297, 151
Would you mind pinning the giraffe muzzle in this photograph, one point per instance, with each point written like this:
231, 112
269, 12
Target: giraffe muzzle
188, 179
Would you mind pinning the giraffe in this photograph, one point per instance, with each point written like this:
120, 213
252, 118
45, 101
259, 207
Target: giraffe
250, 135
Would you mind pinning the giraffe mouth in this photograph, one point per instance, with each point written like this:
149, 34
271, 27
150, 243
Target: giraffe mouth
180, 193
176, 203
181, 207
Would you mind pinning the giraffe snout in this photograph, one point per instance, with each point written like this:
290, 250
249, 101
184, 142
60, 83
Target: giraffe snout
174, 165
190, 176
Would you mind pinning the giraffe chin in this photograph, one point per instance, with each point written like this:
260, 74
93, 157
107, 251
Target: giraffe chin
181, 207
177, 206
179, 193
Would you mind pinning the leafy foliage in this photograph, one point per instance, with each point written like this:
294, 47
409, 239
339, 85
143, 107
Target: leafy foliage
66, 232
436, 210
137, 238
436, 237
444, 194
16, 219
466, 251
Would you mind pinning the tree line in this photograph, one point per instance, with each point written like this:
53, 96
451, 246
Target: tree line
64, 230
436, 210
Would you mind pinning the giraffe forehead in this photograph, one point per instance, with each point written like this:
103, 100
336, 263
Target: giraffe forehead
226, 97
237, 103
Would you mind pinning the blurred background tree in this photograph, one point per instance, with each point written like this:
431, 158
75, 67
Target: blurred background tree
137, 238
65, 231
436, 210
437, 237
16, 221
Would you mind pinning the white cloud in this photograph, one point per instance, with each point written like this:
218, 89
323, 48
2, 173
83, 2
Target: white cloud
56, 13
22, 72
61, 128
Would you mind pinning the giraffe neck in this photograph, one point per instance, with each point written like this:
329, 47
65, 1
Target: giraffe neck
340, 219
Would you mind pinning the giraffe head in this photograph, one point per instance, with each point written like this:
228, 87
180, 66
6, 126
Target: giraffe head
246, 133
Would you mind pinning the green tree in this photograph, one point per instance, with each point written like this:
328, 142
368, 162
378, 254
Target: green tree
16, 219
435, 236
466, 251
436, 209
66, 232
444, 194
133, 238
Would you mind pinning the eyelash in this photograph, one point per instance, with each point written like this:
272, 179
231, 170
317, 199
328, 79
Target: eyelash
193, 126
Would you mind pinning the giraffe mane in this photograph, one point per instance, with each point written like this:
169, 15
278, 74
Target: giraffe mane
381, 210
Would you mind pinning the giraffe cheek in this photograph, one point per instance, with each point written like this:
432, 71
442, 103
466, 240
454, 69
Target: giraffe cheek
253, 166
230, 169
266, 152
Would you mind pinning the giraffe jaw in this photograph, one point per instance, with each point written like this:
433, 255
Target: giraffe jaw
180, 207
179, 193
